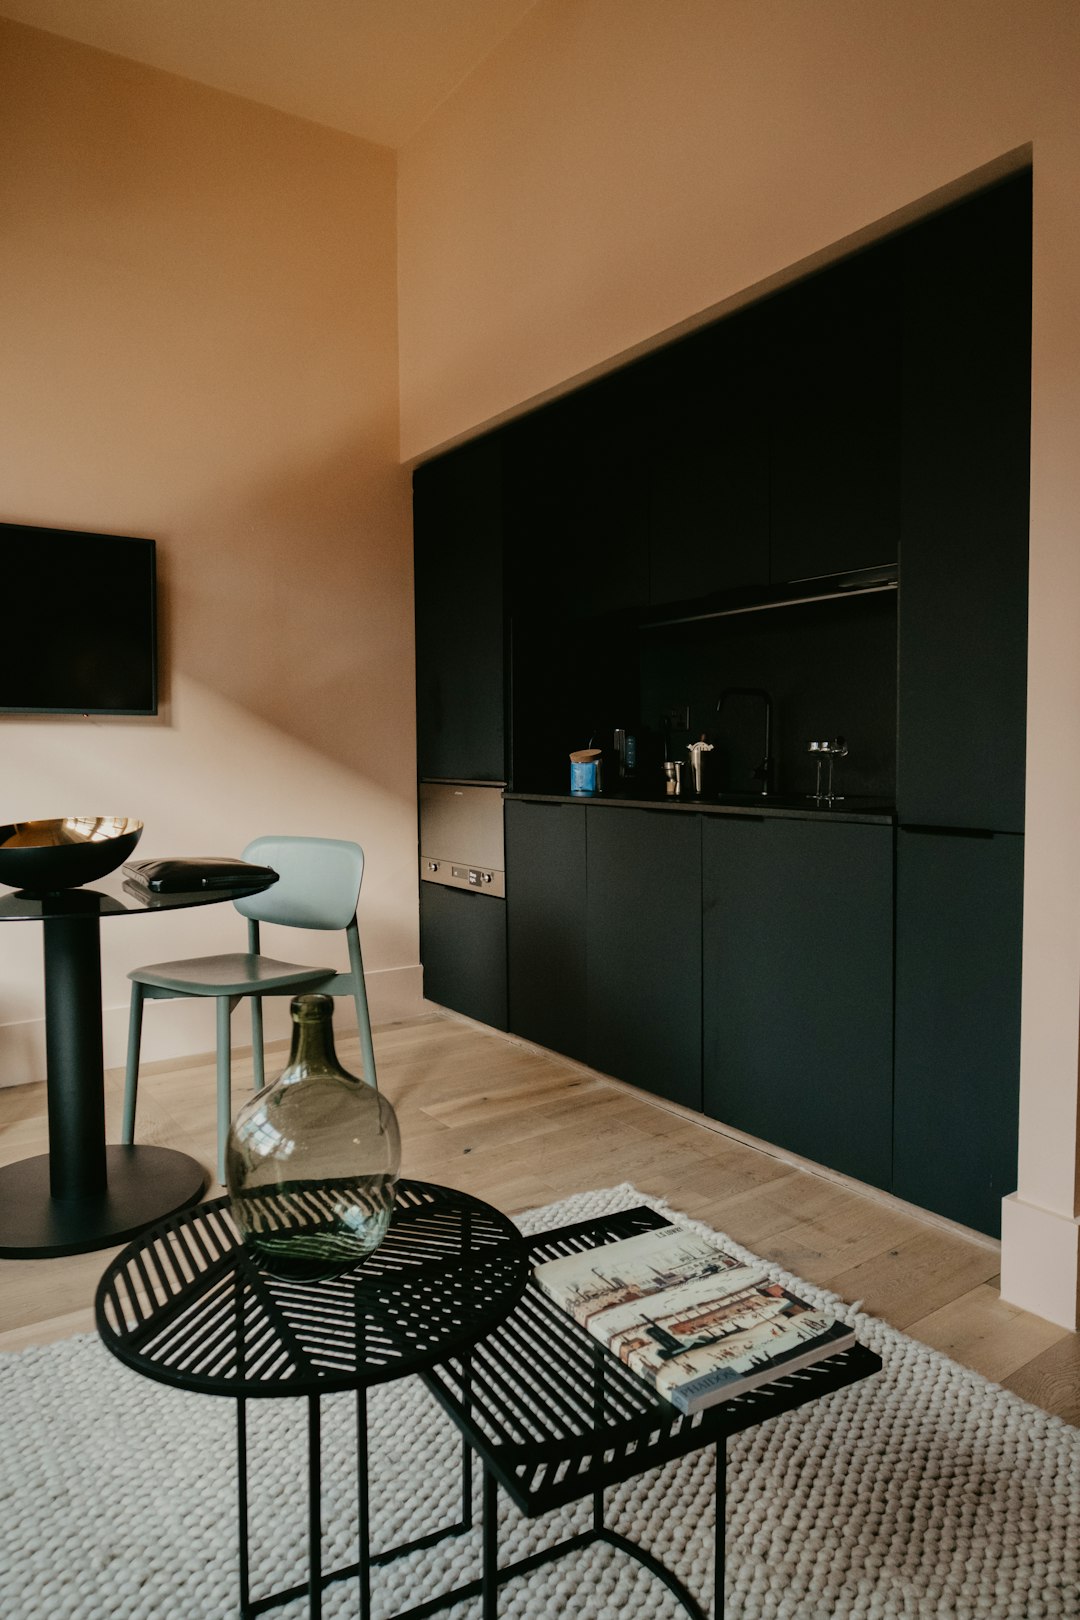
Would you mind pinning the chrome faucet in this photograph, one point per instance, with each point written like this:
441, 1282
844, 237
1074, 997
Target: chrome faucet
764, 769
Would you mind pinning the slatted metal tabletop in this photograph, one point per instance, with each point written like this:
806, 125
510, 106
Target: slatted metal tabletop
555, 1416
188, 1304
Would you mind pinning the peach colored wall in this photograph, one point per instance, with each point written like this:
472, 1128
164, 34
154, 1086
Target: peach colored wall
198, 330
619, 168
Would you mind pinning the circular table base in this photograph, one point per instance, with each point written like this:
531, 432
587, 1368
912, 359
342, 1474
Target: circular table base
145, 1185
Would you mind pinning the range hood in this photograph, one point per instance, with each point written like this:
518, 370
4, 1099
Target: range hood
760, 598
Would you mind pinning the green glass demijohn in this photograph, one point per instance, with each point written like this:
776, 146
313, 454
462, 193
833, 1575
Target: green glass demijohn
312, 1161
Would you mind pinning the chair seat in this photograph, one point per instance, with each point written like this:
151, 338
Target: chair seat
237, 974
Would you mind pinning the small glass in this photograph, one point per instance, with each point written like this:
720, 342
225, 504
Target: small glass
312, 1161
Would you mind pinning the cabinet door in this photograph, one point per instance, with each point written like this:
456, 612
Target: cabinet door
463, 950
457, 519
958, 948
798, 987
545, 915
835, 418
644, 949
709, 463
964, 557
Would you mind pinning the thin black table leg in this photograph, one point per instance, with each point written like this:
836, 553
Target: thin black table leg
720, 1538
489, 1573
363, 1507
598, 1425
314, 1510
242, 1506
466, 1448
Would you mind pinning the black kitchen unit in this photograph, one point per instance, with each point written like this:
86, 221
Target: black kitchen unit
460, 664
798, 986
643, 948
546, 954
822, 497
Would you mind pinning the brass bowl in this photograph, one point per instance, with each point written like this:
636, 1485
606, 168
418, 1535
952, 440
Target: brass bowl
46, 855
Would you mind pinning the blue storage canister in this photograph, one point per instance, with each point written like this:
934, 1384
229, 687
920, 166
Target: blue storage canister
583, 776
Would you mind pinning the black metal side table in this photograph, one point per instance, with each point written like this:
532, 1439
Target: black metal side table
188, 1305
555, 1417
551, 1414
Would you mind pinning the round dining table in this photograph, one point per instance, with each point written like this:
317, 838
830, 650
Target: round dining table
85, 1194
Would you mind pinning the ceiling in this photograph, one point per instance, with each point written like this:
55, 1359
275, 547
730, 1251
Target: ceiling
374, 68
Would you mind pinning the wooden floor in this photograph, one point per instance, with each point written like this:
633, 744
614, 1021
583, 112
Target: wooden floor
519, 1127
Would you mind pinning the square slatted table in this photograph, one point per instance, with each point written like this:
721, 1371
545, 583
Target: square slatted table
554, 1417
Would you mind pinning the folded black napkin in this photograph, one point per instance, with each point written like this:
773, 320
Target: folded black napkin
184, 873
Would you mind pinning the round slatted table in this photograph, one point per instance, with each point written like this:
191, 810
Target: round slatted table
189, 1304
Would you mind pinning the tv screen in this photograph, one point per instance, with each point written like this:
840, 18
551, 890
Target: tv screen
80, 628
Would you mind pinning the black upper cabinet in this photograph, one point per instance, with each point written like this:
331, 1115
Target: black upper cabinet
709, 494
576, 497
798, 959
959, 923
964, 561
643, 937
545, 888
458, 533
834, 380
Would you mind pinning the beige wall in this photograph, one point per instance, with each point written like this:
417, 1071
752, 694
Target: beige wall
621, 167
198, 334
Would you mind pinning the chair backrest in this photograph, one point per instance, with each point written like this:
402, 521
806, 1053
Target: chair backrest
318, 882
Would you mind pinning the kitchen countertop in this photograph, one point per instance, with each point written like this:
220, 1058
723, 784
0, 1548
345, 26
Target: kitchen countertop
797, 807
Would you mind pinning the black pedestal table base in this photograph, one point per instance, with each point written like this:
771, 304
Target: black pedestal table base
144, 1185
83, 1195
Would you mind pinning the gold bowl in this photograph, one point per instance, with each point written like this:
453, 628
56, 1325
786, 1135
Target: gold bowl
64, 854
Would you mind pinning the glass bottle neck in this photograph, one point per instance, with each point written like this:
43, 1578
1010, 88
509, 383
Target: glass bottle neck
312, 1043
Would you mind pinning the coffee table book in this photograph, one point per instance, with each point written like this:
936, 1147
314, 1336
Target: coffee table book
696, 1323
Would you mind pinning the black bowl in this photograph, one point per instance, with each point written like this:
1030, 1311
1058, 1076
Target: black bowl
46, 855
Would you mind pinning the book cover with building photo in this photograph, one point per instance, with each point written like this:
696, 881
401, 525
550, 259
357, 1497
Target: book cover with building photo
693, 1321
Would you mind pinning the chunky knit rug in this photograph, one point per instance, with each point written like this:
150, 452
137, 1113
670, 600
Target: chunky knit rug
925, 1491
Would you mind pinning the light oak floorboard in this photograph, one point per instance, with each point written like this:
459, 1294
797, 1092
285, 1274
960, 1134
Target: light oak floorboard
519, 1128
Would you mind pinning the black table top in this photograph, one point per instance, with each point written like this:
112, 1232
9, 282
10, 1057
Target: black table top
188, 1304
556, 1416
112, 896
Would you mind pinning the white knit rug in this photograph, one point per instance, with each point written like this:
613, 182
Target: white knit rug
925, 1491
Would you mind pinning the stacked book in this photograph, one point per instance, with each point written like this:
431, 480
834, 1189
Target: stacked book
697, 1324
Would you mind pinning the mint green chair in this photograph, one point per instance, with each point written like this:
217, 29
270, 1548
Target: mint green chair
318, 887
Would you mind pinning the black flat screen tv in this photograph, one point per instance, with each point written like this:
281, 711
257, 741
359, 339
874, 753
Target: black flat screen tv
79, 630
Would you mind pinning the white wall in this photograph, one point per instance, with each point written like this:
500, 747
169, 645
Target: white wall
198, 327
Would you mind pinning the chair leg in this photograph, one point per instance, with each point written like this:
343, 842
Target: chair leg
363, 1016
225, 1005
131, 1077
258, 1057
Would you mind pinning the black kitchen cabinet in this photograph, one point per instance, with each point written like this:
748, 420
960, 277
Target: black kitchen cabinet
958, 950
798, 987
643, 934
964, 557
546, 886
463, 949
577, 504
458, 535
709, 463
833, 359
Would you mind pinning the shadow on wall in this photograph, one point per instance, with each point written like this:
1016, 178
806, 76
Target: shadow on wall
296, 604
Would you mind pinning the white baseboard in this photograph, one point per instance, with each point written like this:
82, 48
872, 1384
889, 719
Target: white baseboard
1040, 1261
183, 1029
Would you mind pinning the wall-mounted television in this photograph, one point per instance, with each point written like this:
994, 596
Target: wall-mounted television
78, 634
